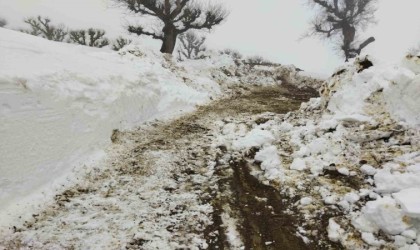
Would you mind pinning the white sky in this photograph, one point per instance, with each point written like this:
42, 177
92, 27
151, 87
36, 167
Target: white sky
270, 28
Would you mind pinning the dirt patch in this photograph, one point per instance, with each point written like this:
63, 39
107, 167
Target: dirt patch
265, 224
260, 209
274, 99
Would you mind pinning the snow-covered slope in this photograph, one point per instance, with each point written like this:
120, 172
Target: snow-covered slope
59, 104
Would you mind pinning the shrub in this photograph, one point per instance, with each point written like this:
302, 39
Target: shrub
41, 27
191, 46
233, 53
257, 60
91, 37
120, 43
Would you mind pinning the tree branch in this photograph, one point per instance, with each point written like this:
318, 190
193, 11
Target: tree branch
213, 17
139, 31
324, 4
145, 7
320, 29
180, 5
364, 44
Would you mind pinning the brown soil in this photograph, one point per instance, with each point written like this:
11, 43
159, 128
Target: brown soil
261, 209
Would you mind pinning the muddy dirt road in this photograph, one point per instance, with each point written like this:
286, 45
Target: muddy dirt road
175, 185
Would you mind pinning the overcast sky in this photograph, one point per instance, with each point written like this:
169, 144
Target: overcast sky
270, 28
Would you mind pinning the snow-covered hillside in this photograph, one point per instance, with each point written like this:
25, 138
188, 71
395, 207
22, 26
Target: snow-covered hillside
59, 104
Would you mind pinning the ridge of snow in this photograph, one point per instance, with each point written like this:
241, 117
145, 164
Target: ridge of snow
59, 105
354, 149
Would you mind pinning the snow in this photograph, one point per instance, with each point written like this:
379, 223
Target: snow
298, 164
355, 149
401, 91
270, 162
412, 247
410, 234
390, 182
351, 197
343, 171
255, 138
381, 214
402, 97
306, 201
371, 239
62, 104
368, 169
59, 104
335, 232
232, 233
409, 199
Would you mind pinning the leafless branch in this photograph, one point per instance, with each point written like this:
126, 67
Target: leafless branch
42, 27
91, 37
120, 43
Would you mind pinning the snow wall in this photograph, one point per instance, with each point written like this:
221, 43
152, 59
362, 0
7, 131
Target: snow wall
59, 104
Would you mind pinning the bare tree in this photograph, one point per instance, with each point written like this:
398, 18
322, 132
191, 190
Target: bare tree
191, 45
340, 19
120, 43
91, 37
3, 22
42, 27
177, 17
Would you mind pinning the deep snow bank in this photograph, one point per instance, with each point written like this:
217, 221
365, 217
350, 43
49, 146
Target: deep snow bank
368, 131
350, 159
59, 104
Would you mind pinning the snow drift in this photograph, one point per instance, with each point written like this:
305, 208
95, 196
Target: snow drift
350, 158
59, 104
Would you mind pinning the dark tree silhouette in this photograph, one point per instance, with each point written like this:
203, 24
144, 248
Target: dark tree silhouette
341, 19
3, 22
176, 16
42, 27
120, 43
91, 37
191, 45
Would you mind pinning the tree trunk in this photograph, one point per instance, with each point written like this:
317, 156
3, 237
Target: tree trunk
169, 39
349, 33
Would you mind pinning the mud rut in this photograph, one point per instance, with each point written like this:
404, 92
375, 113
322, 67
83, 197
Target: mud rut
169, 187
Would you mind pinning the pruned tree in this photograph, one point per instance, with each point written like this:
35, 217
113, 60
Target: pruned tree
341, 20
176, 17
120, 43
191, 45
41, 27
3, 22
91, 37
